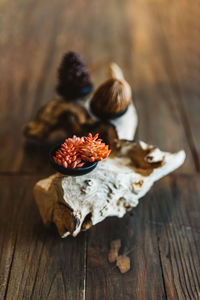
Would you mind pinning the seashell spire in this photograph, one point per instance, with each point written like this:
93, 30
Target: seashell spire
114, 71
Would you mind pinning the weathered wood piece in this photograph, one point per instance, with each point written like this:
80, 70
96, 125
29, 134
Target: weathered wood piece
115, 186
57, 114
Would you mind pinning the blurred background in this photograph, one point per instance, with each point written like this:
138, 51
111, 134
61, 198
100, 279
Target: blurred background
155, 42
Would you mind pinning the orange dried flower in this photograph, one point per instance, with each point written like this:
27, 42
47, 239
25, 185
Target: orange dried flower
74, 152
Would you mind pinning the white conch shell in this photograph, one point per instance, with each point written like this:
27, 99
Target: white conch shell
115, 186
125, 125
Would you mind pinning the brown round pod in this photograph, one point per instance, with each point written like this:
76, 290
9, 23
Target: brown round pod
111, 99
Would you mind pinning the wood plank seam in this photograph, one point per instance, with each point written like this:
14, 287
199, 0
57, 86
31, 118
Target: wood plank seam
161, 268
85, 266
10, 268
34, 283
182, 266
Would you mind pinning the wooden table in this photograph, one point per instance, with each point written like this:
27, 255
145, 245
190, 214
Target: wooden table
156, 43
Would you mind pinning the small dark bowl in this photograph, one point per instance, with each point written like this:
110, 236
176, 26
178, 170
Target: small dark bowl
88, 167
74, 94
110, 116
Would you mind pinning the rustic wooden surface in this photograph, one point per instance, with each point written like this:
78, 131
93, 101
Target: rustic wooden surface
157, 44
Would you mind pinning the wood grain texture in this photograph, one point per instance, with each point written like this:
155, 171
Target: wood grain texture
161, 237
139, 242
179, 237
157, 102
180, 30
35, 262
157, 45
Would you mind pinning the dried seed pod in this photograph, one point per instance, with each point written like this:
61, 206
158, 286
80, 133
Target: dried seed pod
111, 99
73, 77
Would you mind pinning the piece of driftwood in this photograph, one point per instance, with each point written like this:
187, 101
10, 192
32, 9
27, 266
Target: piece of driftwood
74, 204
57, 114
70, 117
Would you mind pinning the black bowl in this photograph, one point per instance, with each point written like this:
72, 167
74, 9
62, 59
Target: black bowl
88, 167
109, 116
74, 94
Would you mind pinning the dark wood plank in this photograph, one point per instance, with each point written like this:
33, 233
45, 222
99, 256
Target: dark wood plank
34, 262
179, 201
179, 236
177, 44
162, 238
160, 119
25, 71
137, 233
139, 241
179, 249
